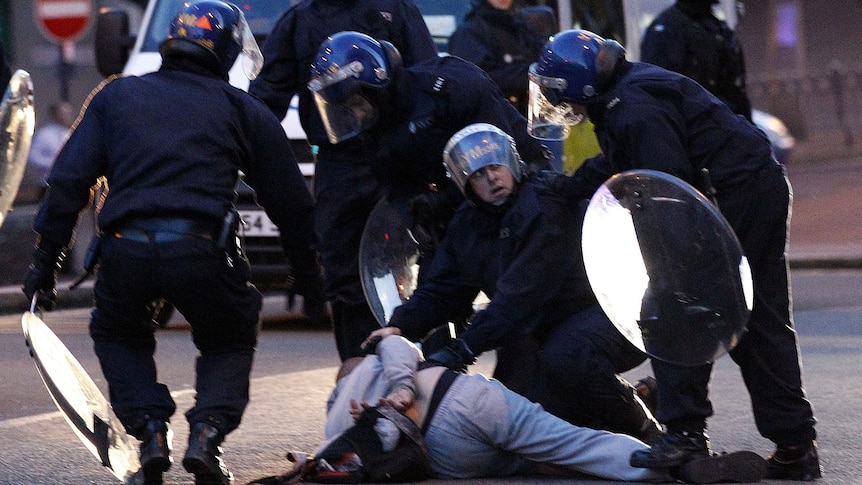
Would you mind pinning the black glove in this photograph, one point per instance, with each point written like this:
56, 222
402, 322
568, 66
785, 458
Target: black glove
42, 277
455, 355
431, 212
308, 282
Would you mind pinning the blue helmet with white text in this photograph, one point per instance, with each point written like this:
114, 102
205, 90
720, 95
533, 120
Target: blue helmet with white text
348, 75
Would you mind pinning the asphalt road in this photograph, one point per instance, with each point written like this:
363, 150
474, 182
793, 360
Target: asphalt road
295, 368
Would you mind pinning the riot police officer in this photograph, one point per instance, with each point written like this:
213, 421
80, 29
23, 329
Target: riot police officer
517, 239
687, 38
168, 147
495, 38
651, 118
344, 187
363, 89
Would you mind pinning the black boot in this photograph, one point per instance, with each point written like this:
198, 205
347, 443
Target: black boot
672, 450
203, 456
155, 451
795, 463
733, 467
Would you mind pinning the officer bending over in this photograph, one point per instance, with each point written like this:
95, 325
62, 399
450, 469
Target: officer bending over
169, 146
345, 188
646, 117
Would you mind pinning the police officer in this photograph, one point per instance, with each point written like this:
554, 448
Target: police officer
495, 38
648, 117
344, 186
169, 146
517, 239
687, 38
363, 89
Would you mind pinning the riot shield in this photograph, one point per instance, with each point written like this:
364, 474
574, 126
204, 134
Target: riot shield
82, 404
388, 257
666, 267
17, 122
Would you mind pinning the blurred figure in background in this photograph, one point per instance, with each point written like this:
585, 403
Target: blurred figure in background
47, 141
497, 39
688, 38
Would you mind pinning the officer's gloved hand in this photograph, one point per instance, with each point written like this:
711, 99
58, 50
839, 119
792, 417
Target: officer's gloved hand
41, 279
430, 211
308, 282
455, 355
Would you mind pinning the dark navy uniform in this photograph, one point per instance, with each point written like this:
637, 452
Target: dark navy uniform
525, 256
344, 186
168, 146
431, 102
502, 45
687, 38
651, 118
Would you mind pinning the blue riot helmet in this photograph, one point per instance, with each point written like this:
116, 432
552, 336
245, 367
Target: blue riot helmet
572, 70
213, 33
477, 146
349, 74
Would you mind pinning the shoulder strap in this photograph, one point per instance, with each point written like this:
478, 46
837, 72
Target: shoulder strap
405, 424
446, 380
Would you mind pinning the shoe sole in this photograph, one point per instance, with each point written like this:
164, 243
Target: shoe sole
203, 474
782, 473
153, 470
734, 467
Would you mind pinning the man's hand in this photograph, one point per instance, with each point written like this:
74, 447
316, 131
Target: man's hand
384, 332
356, 410
41, 279
455, 355
400, 399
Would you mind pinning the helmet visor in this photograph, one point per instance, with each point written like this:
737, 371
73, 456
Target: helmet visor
252, 60
344, 110
548, 117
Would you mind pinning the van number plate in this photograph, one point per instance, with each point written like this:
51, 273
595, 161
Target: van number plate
257, 224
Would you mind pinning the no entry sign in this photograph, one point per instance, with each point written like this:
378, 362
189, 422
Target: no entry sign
64, 20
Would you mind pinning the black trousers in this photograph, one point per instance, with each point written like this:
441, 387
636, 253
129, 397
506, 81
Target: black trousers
346, 192
221, 306
573, 372
768, 354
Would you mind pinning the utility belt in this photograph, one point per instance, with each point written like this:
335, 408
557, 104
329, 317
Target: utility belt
164, 229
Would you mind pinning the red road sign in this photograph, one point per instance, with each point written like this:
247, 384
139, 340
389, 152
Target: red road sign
63, 20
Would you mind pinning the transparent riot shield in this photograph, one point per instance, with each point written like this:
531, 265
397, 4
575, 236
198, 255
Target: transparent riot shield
388, 258
17, 122
81, 402
666, 267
